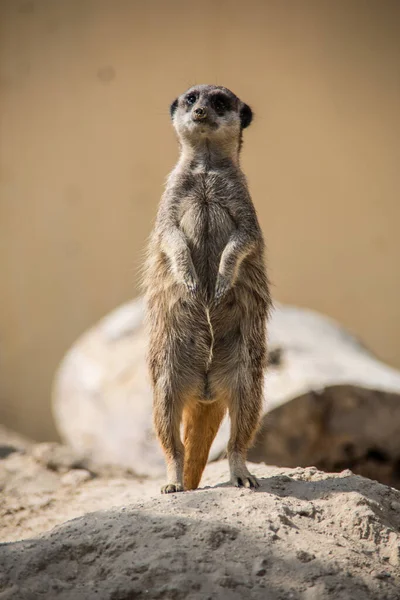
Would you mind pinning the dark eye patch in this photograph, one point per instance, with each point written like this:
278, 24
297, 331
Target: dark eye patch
221, 103
191, 98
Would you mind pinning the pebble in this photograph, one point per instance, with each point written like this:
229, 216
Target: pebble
380, 574
260, 566
75, 477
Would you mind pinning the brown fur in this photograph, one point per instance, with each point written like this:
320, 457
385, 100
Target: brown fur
207, 293
201, 423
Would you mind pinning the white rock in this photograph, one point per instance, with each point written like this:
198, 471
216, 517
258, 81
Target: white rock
102, 400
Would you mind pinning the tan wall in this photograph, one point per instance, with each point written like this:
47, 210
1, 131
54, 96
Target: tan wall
86, 144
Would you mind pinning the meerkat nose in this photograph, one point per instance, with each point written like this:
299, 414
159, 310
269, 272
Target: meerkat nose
200, 112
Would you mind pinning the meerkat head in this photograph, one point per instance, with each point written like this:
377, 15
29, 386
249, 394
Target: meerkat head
210, 113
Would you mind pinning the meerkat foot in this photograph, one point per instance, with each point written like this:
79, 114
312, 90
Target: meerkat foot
171, 488
241, 477
247, 481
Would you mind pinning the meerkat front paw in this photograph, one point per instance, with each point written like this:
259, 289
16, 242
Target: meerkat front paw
191, 284
221, 287
171, 488
192, 287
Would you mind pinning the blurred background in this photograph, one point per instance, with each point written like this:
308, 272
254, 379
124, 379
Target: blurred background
86, 144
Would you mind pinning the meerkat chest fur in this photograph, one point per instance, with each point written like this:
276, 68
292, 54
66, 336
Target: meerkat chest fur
207, 235
206, 215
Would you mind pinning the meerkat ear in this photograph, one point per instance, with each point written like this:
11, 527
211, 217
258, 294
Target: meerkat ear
173, 107
246, 116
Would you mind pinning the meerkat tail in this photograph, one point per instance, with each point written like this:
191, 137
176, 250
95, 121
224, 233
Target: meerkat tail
201, 423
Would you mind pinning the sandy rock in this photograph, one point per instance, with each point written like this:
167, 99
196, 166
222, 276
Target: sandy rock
57, 457
76, 477
340, 427
328, 401
303, 535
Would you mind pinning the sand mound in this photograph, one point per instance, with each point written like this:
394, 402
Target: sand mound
304, 535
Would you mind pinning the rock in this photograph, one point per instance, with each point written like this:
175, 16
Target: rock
102, 401
304, 556
57, 457
380, 574
75, 477
260, 566
121, 539
329, 402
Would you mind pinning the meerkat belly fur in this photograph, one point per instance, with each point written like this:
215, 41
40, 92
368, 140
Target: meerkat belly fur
207, 293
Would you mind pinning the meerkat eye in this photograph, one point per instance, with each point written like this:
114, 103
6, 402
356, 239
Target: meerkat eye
191, 99
221, 104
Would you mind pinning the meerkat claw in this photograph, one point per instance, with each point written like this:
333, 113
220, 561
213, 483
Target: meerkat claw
192, 287
249, 481
221, 288
171, 488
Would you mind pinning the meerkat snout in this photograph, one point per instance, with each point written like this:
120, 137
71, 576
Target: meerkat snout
199, 113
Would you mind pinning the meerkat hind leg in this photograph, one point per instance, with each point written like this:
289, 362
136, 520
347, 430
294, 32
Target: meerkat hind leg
167, 418
244, 410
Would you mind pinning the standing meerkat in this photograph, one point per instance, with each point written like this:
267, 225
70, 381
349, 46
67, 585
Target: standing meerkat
207, 293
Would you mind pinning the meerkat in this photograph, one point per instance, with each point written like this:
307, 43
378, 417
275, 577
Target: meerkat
207, 293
